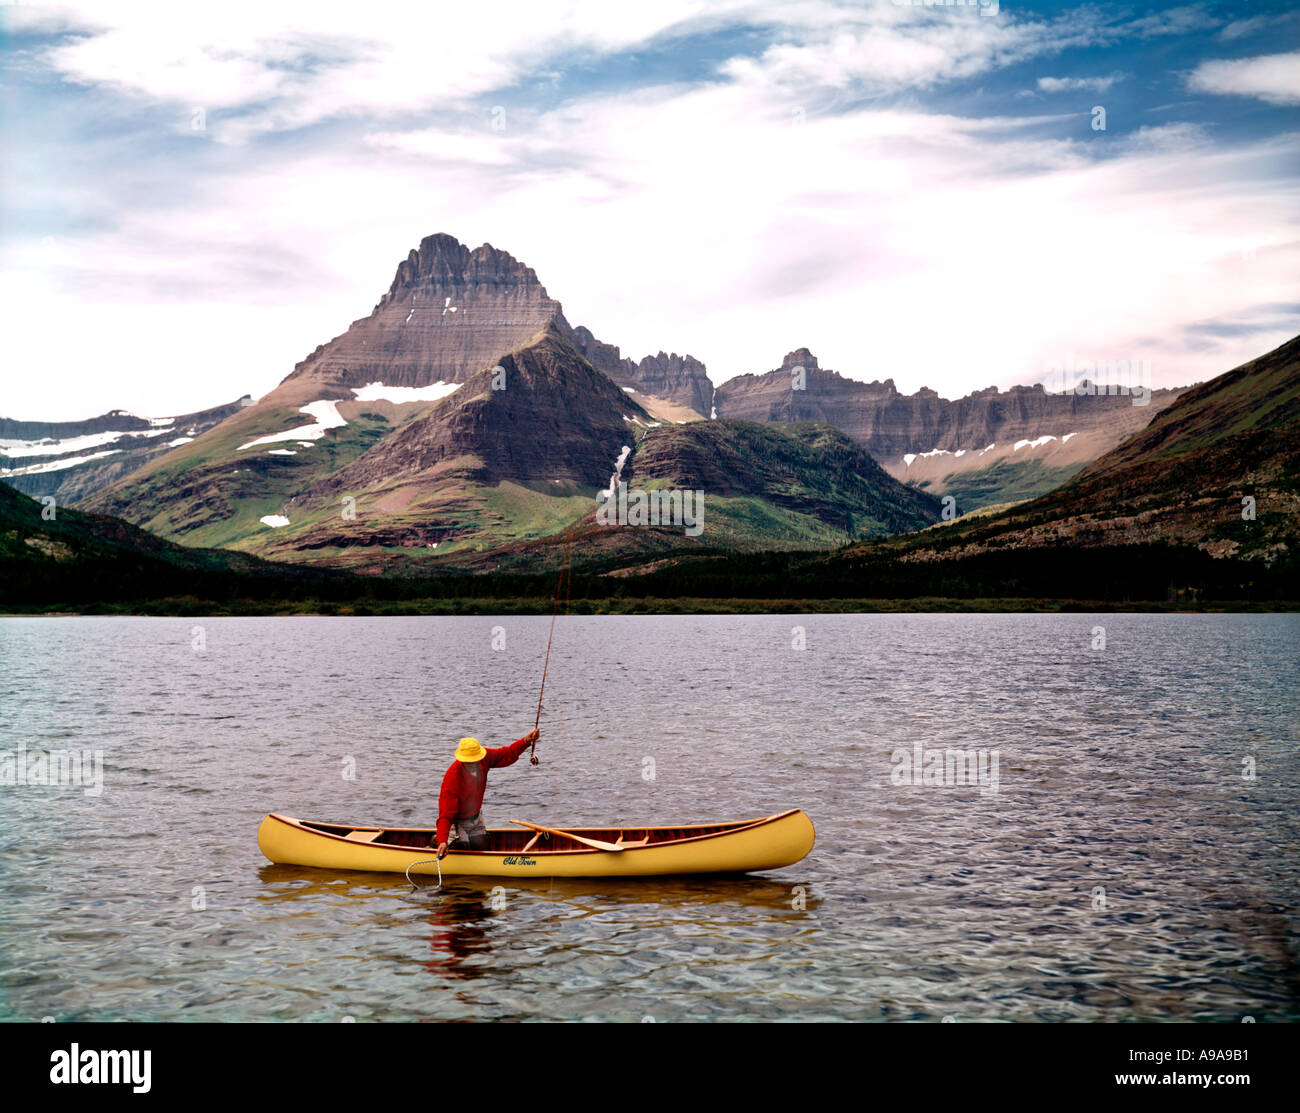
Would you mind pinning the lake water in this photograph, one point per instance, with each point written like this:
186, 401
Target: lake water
1131, 864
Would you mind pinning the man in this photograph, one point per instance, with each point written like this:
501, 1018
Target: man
461, 798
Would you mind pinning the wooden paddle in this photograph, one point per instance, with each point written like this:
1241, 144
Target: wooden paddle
596, 843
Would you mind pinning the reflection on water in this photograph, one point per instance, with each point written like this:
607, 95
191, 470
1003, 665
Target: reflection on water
460, 935
1124, 869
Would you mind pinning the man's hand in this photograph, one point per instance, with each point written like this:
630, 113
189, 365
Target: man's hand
442, 850
533, 735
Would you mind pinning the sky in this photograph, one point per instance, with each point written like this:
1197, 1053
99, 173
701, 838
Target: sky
193, 197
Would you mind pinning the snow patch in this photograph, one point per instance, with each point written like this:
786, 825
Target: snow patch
58, 465
378, 392
960, 452
275, 521
924, 455
1065, 439
327, 417
644, 425
283, 452
179, 441
1036, 443
52, 447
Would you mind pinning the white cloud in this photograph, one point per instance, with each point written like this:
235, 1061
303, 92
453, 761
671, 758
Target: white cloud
1271, 77
880, 47
738, 219
1078, 84
279, 65
1239, 28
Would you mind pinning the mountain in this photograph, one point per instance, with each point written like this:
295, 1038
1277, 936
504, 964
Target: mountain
518, 452
448, 313
56, 556
518, 455
760, 487
1218, 471
683, 379
990, 446
1200, 508
465, 416
70, 460
665, 378
808, 470
449, 317
451, 312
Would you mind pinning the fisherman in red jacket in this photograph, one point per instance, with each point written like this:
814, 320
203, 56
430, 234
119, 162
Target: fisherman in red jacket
461, 799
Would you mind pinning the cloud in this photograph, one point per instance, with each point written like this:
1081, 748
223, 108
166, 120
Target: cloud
1172, 21
797, 189
273, 67
1255, 25
1239, 28
1251, 321
1077, 84
1274, 78
277, 66
880, 47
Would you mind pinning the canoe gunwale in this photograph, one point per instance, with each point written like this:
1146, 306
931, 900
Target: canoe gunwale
730, 828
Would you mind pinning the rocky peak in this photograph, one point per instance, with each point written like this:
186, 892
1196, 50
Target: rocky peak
442, 262
890, 425
682, 378
800, 357
449, 313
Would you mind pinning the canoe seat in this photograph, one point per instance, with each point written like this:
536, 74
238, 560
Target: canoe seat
620, 841
363, 836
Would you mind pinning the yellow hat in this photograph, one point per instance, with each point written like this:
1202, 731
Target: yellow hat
470, 750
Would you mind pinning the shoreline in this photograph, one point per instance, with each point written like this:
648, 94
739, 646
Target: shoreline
195, 608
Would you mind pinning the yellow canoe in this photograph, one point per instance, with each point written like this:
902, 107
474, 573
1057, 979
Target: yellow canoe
739, 847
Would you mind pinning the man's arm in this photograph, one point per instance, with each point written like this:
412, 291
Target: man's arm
448, 807
508, 755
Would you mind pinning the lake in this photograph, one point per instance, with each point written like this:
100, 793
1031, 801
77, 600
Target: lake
1132, 853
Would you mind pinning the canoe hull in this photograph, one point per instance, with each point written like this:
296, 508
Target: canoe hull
762, 844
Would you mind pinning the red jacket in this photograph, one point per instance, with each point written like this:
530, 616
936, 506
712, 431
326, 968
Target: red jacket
460, 797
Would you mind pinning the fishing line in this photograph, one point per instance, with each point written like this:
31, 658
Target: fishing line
566, 565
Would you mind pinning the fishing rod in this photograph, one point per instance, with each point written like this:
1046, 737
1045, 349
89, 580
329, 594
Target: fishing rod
565, 566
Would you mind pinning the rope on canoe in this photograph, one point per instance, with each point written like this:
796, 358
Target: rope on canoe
424, 862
